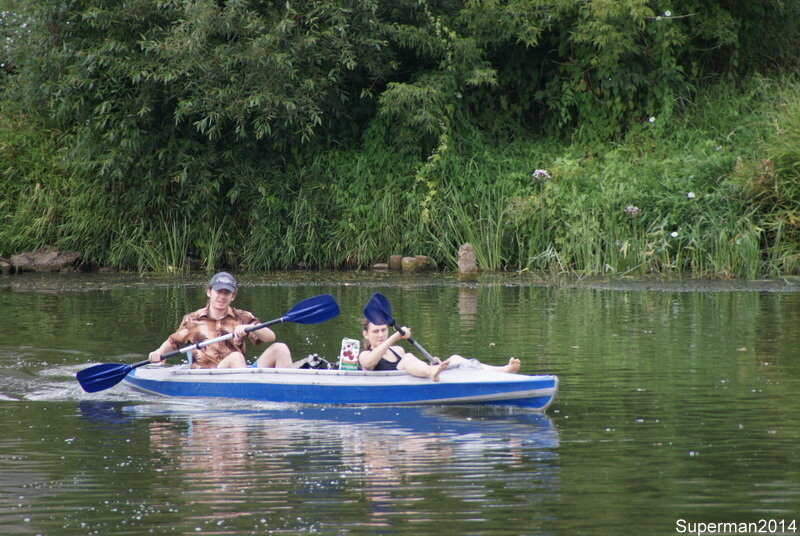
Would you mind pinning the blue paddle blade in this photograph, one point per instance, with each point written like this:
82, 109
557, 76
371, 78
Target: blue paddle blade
378, 310
103, 376
313, 310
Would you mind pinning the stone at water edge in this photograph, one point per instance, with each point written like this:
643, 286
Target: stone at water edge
412, 264
396, 262
467, 260
425, 262
47, 259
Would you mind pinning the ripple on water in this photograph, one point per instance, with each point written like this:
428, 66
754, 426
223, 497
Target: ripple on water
670, 405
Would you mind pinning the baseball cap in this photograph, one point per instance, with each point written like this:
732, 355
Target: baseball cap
223, 281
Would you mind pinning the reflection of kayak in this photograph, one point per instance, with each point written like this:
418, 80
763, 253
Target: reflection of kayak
311, 386
469, 424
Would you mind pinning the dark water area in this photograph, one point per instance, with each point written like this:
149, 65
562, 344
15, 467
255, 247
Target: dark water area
673, 405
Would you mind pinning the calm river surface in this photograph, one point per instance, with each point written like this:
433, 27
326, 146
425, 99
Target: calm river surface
672, 405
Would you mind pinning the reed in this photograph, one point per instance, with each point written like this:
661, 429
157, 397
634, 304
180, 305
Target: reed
712, 192
212, 248
164, 248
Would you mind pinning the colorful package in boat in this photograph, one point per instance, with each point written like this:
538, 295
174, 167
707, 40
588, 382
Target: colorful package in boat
348, 357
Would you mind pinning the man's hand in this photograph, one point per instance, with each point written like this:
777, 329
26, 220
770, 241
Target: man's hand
239, 332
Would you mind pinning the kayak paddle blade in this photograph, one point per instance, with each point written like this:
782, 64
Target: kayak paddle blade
378, 310
313, 310
100, 377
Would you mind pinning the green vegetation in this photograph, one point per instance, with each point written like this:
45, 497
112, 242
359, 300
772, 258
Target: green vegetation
170, 136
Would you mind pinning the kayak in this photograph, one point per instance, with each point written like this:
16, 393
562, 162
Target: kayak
346, 387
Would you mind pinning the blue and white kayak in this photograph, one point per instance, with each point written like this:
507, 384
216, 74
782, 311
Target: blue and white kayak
361, 388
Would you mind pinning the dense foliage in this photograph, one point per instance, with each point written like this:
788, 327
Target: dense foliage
270, 134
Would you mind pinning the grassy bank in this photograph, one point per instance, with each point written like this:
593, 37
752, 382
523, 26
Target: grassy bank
681, 194
711, 191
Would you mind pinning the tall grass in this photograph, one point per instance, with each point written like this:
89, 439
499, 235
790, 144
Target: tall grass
770, 180
31, 182
711, 191
164, 248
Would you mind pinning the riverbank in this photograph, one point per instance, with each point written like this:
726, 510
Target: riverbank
85, 282
689, 195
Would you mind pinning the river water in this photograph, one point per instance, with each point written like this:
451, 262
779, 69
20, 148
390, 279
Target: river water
672, 406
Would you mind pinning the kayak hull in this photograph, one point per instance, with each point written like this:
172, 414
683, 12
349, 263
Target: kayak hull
310, 386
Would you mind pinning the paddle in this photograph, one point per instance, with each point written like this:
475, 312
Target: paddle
378, 310
309, 311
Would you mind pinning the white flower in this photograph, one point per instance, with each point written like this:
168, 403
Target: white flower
633, 210
652, 119
690, 195
668, 13
541, 175
674, 234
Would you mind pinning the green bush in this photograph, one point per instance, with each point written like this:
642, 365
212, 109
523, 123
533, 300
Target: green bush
769, 181
176, 135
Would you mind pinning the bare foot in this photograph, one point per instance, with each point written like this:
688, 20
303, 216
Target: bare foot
437, 369
513, 365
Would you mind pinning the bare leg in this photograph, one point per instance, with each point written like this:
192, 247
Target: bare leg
412, 364
233, 360
276, 356
511, 367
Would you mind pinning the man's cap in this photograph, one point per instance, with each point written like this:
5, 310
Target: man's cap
223, 281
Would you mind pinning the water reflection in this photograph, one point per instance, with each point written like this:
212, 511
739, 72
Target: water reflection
671, 405
358, 466
467, 305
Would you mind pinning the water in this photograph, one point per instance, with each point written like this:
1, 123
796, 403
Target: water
672, 405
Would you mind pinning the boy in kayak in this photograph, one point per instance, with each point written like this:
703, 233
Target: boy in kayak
380, 354
219, 318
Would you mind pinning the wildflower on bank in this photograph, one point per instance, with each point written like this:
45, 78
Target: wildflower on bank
541, 175
674, 234
690, 195
633, 211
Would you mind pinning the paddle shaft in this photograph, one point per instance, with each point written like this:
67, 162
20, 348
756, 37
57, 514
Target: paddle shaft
309, 311
208, 342
379, 311
414, 343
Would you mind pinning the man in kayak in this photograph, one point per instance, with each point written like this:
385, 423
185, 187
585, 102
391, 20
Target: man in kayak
380, 354
219, 318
